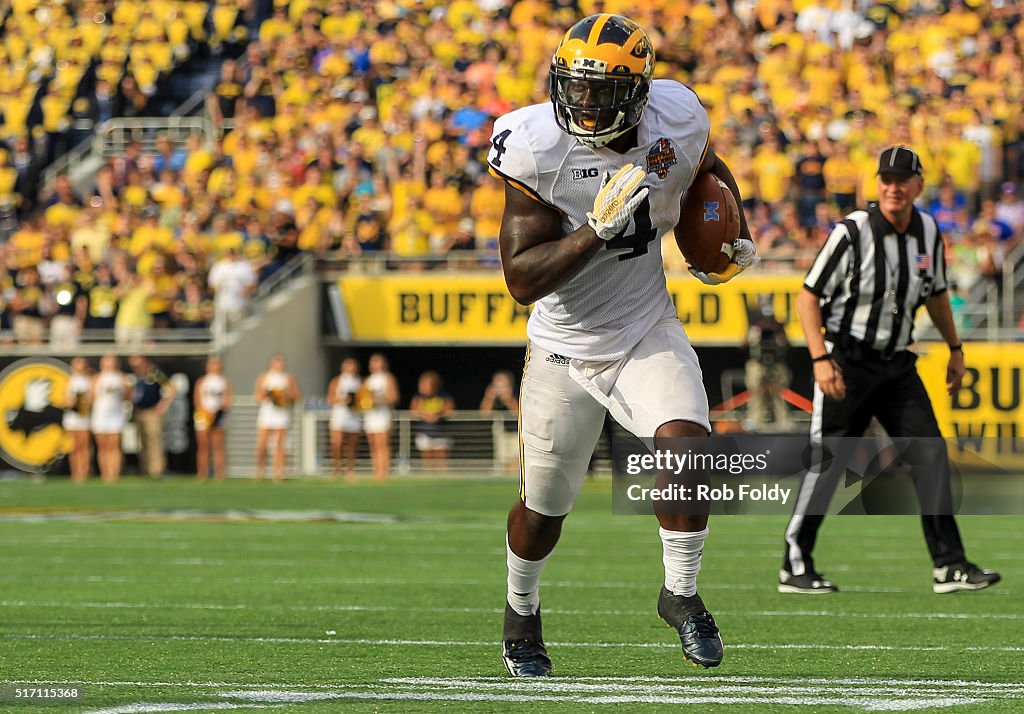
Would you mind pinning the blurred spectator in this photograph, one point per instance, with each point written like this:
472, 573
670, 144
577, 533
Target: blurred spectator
9, 199
51, 267
102, 298
135, 101
946, 208
192, 310
431, 407
152, 394
167, 155
410, 228
63, 206
31, 306
28, 166
368, 226
500, 400
66, 323
965, 256
766, 373
1010, 209
132, 320
126, 163
222, 100
104, 104
809, 179
987, 218
232, 280
163, 291
773, 172
261, 89
91, 233
284, 239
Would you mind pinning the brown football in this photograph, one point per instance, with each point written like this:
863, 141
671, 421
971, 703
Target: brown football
708, 221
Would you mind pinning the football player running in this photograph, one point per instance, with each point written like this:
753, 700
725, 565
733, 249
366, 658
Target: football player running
590, 187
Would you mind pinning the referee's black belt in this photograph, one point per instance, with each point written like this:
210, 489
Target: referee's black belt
858, 350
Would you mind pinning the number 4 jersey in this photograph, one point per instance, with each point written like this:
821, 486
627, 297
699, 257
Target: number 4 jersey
605, 310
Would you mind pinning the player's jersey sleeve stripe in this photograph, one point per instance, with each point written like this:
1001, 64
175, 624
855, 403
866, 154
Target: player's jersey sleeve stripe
520, 186
703, 155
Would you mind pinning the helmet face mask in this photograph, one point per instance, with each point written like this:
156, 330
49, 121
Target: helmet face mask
600, 78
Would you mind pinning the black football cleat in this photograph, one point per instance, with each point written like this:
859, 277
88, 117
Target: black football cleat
963, 576
698, 633
809, 583
522, 647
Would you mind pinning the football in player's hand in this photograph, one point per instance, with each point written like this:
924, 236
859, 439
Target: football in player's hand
708, 221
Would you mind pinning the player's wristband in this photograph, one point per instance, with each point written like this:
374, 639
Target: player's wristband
958, 347
822, 358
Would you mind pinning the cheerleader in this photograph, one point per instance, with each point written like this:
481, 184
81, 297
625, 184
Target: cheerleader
111, 388
212, 399
383, 390
347, 400
276, 392
78, 399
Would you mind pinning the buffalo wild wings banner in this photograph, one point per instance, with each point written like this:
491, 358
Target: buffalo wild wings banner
477, 309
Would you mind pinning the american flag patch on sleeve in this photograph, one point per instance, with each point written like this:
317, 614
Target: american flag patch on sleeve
923, 261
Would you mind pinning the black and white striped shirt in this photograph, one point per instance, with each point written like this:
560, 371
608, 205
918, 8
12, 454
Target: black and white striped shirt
871, 279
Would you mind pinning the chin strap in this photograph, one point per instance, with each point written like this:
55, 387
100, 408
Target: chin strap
595, 142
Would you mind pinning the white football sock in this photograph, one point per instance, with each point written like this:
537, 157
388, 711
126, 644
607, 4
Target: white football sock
681, 555
524, 582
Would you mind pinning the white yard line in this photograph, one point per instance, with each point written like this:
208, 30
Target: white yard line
470, 643
699, 676
494, 610
861, 693
767, 587
156, 708
864, 703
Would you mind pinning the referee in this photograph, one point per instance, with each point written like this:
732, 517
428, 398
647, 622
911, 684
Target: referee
876, 268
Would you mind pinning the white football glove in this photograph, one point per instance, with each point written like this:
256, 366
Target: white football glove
617, 200
741, 256
745, 253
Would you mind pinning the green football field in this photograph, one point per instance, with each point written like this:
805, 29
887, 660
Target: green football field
324, 597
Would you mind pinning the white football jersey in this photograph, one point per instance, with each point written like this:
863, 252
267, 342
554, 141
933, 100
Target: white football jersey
605, 310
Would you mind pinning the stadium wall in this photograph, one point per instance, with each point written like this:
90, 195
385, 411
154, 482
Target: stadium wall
288, 323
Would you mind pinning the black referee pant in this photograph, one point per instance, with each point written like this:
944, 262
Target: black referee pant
890, 390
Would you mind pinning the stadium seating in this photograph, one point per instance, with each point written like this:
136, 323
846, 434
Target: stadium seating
357, 131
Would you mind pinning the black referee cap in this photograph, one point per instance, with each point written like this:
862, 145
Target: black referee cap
899, 160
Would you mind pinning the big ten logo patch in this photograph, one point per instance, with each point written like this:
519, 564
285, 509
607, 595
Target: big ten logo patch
32, 393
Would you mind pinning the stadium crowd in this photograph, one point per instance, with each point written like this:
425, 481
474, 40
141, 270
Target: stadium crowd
356, 128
